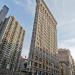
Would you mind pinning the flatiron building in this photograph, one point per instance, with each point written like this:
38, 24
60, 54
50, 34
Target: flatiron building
43, 48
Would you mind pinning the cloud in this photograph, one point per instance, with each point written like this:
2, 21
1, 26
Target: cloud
17, 2
68, 42
67, 22
28, 5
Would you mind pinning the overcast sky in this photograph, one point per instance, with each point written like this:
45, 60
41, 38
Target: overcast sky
63, 11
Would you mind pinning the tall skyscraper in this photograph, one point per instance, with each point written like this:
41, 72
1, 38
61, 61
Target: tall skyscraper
42, 60
11, 41
3, 13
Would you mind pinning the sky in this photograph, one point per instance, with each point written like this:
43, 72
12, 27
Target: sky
62, 10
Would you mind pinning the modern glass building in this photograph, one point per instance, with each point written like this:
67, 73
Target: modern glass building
3, 13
